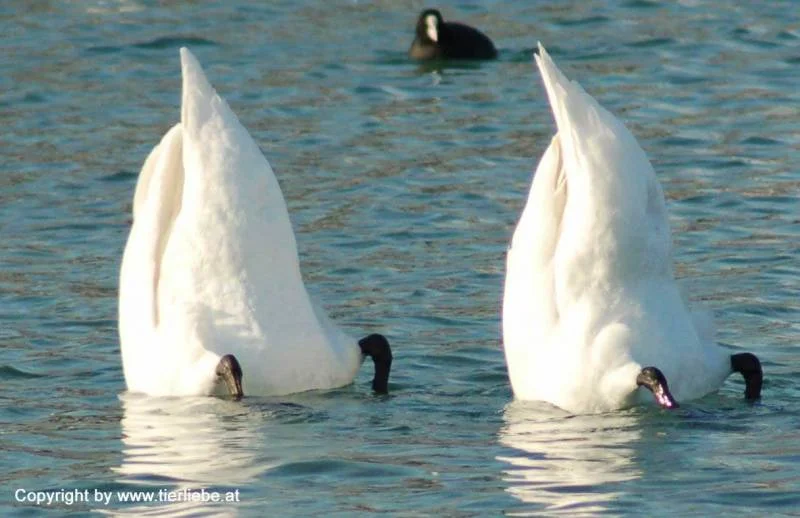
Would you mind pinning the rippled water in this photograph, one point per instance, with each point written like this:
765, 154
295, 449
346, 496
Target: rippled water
404, 184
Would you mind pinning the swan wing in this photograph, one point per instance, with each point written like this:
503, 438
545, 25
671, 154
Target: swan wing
156, 203
529, 310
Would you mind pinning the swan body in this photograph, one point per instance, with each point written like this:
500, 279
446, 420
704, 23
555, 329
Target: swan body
211, 267
590, 296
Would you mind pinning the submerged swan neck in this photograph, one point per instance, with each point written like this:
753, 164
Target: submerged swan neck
377, 346
749, 366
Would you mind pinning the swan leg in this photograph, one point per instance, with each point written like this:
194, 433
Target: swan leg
229, 370
748, 365
653, 380
377, 347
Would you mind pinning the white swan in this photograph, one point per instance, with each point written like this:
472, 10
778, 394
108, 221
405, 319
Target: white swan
210, 285
591, 310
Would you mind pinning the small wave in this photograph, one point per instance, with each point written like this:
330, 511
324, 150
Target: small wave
9, 372
167, 42
581, 22
119, 176
163, 42
651, 42
104, 49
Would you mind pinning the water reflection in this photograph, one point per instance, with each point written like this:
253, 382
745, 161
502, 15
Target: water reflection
188, 444
568, 463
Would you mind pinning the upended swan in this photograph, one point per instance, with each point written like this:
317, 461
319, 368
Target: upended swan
211, 299
592, 314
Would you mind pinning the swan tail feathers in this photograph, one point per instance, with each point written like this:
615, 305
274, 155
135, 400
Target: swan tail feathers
574, 110
198, 98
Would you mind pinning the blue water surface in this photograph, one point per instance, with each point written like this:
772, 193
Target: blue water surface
404, 183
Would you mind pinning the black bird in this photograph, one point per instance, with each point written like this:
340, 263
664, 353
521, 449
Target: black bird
437, 39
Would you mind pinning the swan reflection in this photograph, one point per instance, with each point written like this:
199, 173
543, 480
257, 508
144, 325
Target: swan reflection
187, 444
564, 462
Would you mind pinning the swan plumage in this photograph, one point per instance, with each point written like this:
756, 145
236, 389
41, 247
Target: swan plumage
211, 267
590, 295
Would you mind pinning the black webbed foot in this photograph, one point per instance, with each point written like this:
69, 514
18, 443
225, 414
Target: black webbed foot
653, 380
748, 365
229, 370
377, 347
